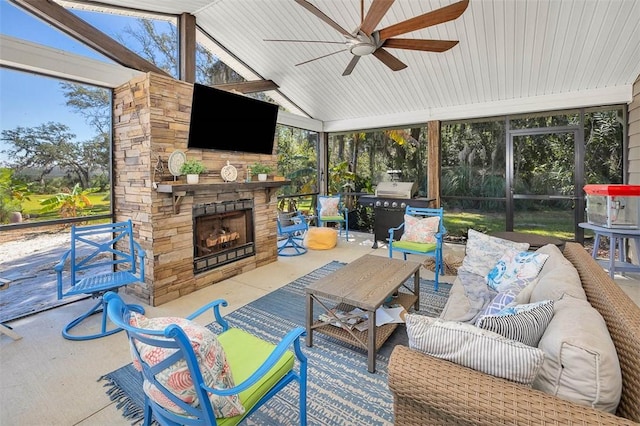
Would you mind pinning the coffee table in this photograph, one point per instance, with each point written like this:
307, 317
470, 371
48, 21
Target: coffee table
364, 283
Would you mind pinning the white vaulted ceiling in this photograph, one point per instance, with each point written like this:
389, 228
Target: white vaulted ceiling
514, 56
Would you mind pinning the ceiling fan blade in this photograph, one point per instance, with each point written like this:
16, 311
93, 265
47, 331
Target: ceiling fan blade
311, 8
320, 57
423, 45
249, 86
305, 41
435, 17
389, 60
351, 66
375, 14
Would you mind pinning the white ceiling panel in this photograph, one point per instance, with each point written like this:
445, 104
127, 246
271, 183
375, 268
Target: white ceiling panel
518, 55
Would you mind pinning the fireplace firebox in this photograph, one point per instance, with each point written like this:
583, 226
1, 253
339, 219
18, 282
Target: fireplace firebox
223, 233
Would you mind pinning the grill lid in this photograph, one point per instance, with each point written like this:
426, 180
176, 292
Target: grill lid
396, 189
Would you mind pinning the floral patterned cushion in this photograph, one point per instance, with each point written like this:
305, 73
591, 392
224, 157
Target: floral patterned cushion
211, 359
329, 206
420, 230
515, 268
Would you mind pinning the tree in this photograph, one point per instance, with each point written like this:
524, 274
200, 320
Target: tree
48, 147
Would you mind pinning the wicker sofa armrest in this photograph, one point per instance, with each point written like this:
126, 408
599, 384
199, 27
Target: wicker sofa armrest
428, 390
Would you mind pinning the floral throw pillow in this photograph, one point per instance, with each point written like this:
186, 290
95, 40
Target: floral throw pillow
420, 230
211, 359
515, 268
329, 206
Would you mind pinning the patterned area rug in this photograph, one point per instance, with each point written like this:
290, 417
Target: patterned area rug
340, 390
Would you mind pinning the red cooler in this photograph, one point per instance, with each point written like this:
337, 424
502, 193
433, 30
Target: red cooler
613, 206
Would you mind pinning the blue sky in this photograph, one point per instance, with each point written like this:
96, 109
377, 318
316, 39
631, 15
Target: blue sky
28, 100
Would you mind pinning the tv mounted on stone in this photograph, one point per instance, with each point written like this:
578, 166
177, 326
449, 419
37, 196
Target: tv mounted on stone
227, 121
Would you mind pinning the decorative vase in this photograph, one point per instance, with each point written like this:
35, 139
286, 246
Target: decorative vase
193, 179
262, 177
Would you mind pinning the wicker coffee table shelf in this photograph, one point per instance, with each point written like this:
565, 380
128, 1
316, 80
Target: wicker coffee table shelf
361, 338
364, 283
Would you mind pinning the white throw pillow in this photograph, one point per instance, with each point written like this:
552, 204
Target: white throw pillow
581, 363
473, 347
483, 252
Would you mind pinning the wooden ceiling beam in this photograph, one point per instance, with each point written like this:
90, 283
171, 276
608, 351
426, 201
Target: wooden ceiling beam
249, 86
79, 29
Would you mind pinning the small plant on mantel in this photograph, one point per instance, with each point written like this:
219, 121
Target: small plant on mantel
262, 170
258, 168
192, 168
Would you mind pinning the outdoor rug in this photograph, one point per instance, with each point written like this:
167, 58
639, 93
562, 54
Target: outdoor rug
340, 390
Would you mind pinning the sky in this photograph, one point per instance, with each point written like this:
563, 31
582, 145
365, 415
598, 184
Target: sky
28, 100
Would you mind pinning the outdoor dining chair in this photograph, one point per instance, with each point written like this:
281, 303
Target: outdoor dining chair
423, 230
196, 377
332, 209
102, 258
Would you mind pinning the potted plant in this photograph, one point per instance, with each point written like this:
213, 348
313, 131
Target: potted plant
262, 170
192, 168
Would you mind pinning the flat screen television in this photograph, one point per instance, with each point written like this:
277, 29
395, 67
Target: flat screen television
230, 122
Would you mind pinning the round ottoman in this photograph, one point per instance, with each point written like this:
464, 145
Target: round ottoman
321, 238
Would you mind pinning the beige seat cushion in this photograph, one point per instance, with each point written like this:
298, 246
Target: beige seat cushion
580, 360
556, 278
457, 307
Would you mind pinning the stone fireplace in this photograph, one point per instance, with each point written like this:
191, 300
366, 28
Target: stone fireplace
184, 250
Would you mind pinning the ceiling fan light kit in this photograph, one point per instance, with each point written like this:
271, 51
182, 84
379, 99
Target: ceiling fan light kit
365, 40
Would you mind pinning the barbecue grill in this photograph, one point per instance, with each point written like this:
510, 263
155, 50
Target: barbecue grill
389, 203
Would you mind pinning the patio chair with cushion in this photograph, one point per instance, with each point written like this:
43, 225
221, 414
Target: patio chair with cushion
194, 376
332, 209
102, 258
292, 226
423, 229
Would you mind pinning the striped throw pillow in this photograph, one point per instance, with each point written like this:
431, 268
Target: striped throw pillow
475, 348
524, 323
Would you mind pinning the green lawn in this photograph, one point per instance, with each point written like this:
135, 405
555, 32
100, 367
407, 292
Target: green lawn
33, 209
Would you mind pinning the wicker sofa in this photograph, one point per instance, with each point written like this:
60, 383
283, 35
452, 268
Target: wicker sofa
428, 390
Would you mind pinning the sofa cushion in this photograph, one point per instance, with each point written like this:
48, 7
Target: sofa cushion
499, 302
515, 268
211, 359
458, 307
473, 347
557, 277
524, 323
581, 363
420, 229
483, 252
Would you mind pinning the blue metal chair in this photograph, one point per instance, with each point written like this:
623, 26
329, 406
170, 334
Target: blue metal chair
332, 209
261, 368
101, 258
421, 248
292, 226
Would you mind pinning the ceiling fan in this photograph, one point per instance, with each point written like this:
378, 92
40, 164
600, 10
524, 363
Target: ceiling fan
366, 40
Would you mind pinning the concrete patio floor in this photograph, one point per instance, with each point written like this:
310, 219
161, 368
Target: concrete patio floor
47, 380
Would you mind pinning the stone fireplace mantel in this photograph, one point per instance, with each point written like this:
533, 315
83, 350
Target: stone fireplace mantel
179, 190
